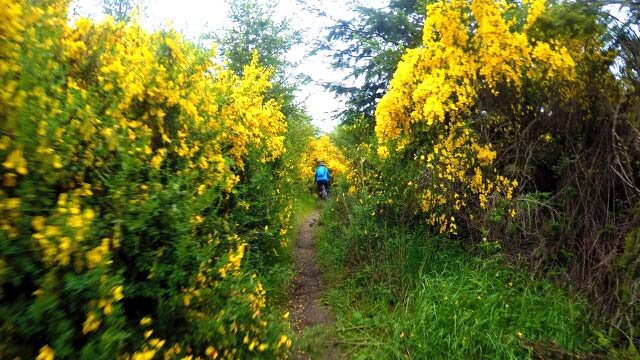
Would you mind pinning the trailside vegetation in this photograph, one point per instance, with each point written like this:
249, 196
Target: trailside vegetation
510, 128
144, 193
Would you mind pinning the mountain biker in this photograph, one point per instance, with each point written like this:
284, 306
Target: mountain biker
322, 177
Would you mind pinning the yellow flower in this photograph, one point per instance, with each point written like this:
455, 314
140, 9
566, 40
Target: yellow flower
57, 162
156, 343
469, 48
83, 24
144, 355
46, 353
197, 219
91, 323
383, 152
16, 161
211, 352
95, 256
106, 305
156, 161
282, 340
117, 293
12, 203
145, 321
485, 155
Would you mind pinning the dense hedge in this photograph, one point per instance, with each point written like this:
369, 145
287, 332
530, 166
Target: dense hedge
514, 126
129, 200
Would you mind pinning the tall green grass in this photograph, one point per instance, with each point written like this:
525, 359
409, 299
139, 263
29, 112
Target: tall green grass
400, 293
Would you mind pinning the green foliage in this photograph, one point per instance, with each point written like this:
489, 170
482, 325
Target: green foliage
629, 269
255, 30
369, 47
573, 151
401, 292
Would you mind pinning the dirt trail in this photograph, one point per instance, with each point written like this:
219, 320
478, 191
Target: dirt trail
306, 310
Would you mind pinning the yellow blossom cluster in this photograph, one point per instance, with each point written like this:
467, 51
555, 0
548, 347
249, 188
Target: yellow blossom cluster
229, 111
439, 82
235, 258
285, 221
471, 48
11, 33
60, 234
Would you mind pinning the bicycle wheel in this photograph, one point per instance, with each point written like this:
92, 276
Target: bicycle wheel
323, 192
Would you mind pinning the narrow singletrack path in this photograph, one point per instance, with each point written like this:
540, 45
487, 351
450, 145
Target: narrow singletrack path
306, 309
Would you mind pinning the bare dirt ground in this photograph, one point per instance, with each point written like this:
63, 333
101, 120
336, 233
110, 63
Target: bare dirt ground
306, 308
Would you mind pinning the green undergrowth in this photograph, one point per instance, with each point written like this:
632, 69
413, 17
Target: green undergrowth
401, 293
314, 341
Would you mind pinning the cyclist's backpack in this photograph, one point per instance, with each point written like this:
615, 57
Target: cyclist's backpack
322, 172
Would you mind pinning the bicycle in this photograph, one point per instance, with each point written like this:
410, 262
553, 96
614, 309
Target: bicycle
324, 195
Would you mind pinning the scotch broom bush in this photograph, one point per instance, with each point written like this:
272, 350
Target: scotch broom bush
322, 149
124, 160
512, 126
471, 50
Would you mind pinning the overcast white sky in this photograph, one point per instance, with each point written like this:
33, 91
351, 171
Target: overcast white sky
195, 17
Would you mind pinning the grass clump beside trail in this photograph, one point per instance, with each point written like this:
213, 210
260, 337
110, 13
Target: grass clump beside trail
404, 294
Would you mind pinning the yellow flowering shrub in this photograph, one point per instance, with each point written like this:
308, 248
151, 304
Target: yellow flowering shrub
322, 149
123, 159
472, 50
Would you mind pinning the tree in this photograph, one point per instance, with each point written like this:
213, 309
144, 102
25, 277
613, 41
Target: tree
369, 47
121, 10
255, 30
624, 38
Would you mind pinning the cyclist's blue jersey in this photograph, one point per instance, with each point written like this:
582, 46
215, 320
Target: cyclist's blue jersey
322, 173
